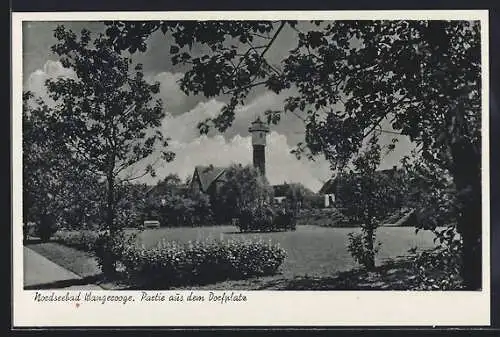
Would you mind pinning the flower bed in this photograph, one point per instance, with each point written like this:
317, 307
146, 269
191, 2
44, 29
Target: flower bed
201, 262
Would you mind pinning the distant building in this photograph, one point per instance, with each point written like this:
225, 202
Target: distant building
207, 179
331, 189
259, 131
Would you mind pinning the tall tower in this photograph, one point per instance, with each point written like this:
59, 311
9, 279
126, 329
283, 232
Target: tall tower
259, 130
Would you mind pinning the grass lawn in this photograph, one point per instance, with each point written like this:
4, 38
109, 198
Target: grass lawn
317, 258
313, 251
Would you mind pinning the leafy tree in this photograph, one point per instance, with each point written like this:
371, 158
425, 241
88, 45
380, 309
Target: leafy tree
174, 205
243, 187
433, 194
107, 117
41, 179
54, 194
367, 197
130, 204
297, 195
422, 76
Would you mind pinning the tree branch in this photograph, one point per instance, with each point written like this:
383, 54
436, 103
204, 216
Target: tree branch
280, 28
265, 61
375, 125
262, 36
248, 86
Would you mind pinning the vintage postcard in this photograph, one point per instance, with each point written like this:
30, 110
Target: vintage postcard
289, 168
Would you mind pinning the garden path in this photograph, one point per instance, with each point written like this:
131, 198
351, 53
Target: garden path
40, 272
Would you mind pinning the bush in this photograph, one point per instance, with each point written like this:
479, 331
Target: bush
201, 262
266, 218
82, 240
109, 249
360, 249
46, 227
326, 217
179, 210
439, 268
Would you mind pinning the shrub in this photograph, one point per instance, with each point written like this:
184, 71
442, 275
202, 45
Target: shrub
266, 218
438, 269
82, 240
361, 249
200, 262
46, 227
326, 217
109, 249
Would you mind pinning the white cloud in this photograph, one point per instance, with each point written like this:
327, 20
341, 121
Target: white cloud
183, 128
51, 69
172, 96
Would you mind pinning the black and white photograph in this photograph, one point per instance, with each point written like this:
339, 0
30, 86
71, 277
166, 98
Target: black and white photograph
253, 155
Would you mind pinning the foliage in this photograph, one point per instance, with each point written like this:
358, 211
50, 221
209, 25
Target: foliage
324, 217
422, 76
367, 197
367, 193
208, 261
243, 188
49, 185
109, 249
432, 192
84, 206
130, 204
106, 117
84, 240
192, 210
439, 269
368, 64
171, 203
266, 218
297, 195
46, 227
361, 249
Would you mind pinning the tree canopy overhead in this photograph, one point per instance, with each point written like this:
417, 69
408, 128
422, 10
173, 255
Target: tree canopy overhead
421, 76
350, 75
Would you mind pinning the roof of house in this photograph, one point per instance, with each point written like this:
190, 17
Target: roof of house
208, 175
329, 187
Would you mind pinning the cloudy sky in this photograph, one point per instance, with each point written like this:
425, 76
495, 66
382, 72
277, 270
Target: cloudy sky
184, 113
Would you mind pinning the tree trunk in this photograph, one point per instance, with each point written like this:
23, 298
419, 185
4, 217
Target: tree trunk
369, 238
467, 178
109, 260
110, 212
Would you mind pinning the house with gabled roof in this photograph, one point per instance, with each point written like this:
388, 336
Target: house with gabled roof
330, 190
207, 179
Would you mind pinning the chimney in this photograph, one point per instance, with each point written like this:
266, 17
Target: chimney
259, 130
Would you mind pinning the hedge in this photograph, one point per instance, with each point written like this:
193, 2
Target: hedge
82, 240
200, 262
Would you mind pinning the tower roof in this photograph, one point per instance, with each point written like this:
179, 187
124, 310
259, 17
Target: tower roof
258, 125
